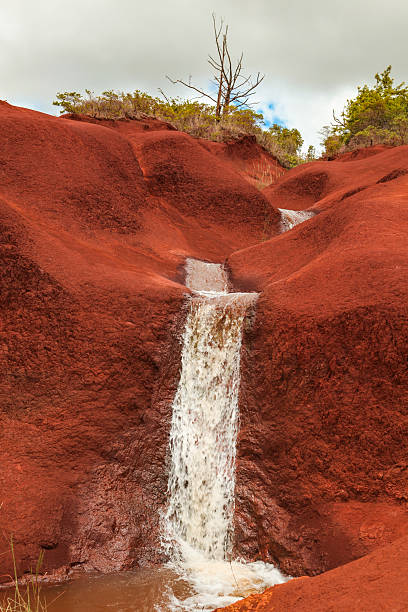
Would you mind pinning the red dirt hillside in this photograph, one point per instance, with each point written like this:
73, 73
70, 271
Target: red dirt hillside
95, 224
326, 182
249, 159
375, 582
96, 220
322, 474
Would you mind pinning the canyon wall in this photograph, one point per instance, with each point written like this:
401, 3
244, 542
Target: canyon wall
96, 220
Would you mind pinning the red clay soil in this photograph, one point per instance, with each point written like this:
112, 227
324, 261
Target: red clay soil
322, 474
95, 224
96, 220
378, 581
361, 153
320, 183
250, 159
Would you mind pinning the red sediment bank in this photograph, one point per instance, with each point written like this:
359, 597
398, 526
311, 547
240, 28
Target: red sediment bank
323, 441
377, 581
96, 219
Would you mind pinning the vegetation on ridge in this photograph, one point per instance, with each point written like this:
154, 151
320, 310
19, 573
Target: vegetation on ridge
377, 115
196, 118
228, 115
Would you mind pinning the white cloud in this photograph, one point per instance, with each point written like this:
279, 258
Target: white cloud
314, 53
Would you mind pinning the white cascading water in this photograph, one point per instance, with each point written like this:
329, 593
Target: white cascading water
199, 519
290, 218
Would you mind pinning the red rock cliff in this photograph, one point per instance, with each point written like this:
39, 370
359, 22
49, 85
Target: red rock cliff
96, 220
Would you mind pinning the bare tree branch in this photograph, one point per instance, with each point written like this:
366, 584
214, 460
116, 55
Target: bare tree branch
214, 63
338, 121
200, 91
232, 86
164, 95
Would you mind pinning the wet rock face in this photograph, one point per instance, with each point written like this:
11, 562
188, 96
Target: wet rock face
323, 439
83, 444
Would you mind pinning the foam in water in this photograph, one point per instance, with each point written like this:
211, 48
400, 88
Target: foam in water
290, 218
199, 518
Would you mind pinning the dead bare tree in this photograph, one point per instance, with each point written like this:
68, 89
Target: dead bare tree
233, 89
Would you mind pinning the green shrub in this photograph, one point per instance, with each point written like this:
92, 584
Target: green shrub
377, 115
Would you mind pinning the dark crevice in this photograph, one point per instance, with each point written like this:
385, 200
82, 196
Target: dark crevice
393, 175
352, 192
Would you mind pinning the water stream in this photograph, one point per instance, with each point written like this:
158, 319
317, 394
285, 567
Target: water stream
198, 525
290, 218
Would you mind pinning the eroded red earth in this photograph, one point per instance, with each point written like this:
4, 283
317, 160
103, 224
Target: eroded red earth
377, 581
96, 220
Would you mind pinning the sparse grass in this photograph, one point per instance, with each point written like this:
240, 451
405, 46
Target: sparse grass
27, 597
191, 116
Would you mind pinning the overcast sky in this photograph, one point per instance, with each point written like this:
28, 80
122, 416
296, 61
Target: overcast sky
313, 53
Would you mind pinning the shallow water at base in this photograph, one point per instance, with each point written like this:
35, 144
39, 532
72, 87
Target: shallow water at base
208, 585
144, 590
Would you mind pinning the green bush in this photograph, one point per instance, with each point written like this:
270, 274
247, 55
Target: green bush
377, 115
193, 117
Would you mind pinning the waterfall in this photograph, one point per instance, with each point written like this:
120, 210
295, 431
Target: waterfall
199, 521
290, 218
205, 414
